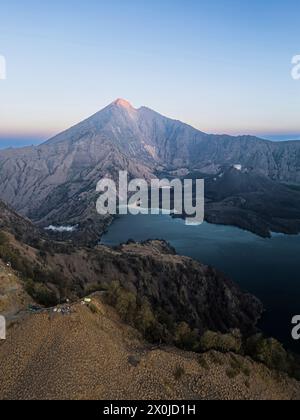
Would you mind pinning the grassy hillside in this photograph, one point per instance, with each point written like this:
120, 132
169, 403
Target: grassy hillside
92, 354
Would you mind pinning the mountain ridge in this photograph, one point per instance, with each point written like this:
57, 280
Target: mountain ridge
152, 270
55, 182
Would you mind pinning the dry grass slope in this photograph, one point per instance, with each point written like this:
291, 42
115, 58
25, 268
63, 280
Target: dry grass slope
91, 354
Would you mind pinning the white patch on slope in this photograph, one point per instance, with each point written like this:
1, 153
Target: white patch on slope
61, 229
150, 149
238, 167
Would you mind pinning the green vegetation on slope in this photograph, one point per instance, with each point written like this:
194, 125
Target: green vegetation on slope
155, 329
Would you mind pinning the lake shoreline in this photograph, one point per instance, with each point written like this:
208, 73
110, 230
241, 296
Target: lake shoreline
265, 267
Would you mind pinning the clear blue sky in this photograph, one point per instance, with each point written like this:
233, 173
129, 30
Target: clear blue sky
220, 65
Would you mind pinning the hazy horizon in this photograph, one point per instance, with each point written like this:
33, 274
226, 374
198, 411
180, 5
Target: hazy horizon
220, 66
23, 141
19, 142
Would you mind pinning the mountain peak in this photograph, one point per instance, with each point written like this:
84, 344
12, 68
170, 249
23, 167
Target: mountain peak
123, 103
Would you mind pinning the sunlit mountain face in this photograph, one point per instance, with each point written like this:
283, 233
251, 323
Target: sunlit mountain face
55, 182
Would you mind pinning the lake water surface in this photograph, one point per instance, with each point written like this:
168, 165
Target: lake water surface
268, 268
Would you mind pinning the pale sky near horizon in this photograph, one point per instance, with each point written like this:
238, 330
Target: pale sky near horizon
223, 66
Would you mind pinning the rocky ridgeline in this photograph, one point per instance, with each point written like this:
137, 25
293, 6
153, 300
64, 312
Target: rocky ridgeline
55, 183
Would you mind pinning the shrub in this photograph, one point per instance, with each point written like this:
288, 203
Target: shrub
185, 338
224, 343
112, 293
3, 238
202, 362
123, 301
126, 305
216, 358
145, 320
43, 254
268, 351
93, 308
232, 373
179, 373
41, 294
238, 365
166, 320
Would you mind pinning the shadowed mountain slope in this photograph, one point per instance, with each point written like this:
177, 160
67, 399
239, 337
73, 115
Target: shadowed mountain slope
184, 289
55, 183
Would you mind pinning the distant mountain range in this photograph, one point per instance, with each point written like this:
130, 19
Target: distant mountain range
54, 183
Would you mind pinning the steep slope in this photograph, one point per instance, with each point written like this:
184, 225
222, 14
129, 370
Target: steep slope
183, 289
55, 182
13, 298
93, 355
186, 289
22, 228
53, 179
156, 140
77, 352
250, 200
279, 161
138, 133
